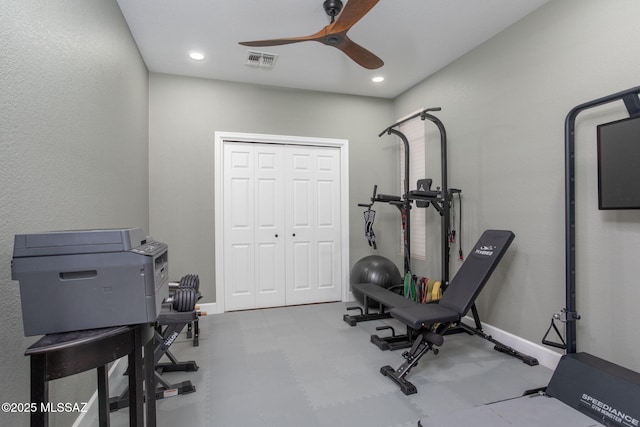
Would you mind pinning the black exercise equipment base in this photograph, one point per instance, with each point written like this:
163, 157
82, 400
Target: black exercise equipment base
397, 342
405, 386
190, 366
169, 325
353, 320
394, 342
424, 342
529, 360
390, 343
170, 390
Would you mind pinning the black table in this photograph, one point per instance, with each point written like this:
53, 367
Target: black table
60, 355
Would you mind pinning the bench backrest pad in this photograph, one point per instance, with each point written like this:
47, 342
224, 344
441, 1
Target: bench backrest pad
474, 273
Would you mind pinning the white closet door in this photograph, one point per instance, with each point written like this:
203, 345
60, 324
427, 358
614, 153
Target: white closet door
269, 221
253, 217
313, 224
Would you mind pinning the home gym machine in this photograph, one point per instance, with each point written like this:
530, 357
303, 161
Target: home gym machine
424, 197
583, 387
600, 389
441, 199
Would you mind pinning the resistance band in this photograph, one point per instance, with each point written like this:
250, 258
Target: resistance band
452, 233
409, 287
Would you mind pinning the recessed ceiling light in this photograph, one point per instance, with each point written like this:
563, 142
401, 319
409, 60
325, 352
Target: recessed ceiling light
377, 79
196, 56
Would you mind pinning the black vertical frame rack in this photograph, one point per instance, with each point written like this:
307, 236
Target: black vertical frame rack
632, 104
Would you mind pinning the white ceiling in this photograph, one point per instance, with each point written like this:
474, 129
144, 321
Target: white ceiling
414, 38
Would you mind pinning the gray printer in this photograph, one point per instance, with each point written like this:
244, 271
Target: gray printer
88, 279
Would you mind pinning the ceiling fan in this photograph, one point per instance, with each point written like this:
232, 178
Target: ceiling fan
335, 34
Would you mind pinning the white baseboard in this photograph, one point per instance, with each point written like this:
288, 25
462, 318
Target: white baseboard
546, 357
210, 308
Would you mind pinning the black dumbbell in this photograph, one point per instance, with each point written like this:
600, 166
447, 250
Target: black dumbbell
190, 281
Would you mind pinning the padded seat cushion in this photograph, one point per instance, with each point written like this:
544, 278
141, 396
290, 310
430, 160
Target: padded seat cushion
418, 315
382, 295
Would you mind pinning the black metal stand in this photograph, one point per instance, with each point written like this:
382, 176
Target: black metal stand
440, 200
632, 103
424, 343
168, 326
498, 346
396, 342
366, 315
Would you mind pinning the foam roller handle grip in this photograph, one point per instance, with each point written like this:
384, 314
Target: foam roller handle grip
434, 338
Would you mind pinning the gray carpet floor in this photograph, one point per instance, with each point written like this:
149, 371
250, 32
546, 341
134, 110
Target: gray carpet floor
304, 366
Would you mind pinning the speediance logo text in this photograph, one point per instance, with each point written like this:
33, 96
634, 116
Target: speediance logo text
608, 411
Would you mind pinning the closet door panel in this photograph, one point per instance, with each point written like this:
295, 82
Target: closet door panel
300, 222
269, 226
253, 217
313, 177
239, 230
327, 226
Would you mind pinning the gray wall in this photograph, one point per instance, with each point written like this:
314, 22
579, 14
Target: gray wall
73, 147
504, 106
186, 112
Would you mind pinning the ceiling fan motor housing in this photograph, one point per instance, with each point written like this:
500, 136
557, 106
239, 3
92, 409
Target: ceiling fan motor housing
332, 7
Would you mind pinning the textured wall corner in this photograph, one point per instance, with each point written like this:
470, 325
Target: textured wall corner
73, 149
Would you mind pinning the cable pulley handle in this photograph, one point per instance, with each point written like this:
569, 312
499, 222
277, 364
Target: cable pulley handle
561, 345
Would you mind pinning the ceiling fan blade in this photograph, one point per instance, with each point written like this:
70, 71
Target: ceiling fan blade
277, 42
359, 54
352, 13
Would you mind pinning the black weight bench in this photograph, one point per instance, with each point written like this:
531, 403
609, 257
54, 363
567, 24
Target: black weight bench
431, 321
386, 299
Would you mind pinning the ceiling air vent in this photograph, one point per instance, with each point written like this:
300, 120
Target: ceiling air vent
261, 60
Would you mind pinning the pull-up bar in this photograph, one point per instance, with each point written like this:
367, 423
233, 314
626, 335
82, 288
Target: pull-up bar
444, 212
420, 114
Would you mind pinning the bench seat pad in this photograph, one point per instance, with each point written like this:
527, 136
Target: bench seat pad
382, 295
418, 315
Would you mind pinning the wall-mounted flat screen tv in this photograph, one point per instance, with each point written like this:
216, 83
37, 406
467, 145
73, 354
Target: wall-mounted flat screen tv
619, 164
